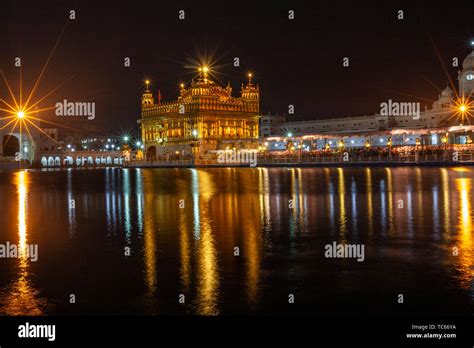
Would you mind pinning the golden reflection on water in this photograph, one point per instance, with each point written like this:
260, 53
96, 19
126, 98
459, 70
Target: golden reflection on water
207, 269
185, 251
342, 205
370, 206
446, 204
238, 208
250, 211
21, 298
149, 234
465, 229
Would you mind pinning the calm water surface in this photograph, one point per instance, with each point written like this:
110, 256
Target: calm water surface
182, 227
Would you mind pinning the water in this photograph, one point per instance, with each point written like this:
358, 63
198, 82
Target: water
181, 228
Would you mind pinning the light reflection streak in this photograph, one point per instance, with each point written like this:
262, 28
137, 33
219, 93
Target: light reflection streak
446, 203
207, 267
126, 197
370, 207
149, 236
342, 205
71, 205
390, 200
465, 230
355, 228
139, 190
330, 195
410, 222
195, 190
383, 206
21, 298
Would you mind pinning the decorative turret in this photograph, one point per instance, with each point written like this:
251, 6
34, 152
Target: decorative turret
147, 96
250, 91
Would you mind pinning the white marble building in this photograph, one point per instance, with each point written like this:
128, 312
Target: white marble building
438, 116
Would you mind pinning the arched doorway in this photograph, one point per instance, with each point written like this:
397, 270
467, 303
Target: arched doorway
10, 145
151, 153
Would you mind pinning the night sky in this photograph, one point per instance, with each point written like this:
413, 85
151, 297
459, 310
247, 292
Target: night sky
295, 62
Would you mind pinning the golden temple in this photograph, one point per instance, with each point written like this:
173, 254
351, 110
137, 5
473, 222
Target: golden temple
205, 118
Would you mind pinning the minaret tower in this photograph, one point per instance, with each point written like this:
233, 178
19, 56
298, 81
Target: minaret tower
147, 97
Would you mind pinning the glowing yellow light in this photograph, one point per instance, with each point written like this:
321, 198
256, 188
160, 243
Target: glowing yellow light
182, 85
463, 108
249, 74
20, 114
147, 82
205, 69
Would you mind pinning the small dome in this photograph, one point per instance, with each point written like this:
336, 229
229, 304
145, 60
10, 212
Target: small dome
468, 62
447, 92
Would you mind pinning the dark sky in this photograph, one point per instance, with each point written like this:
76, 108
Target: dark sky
295, 62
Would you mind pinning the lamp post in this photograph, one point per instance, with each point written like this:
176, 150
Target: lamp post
340, 144
389, 143
444, 139
417, 154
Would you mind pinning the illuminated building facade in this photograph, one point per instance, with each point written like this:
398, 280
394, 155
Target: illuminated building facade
451, 112
204, 118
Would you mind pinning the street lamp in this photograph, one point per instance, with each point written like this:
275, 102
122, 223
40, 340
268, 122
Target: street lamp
389, 144
444, 140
